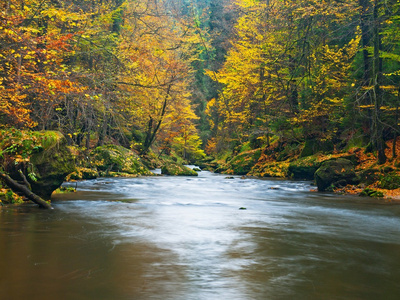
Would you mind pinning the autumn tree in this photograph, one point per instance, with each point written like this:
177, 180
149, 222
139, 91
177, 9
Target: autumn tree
286, 73
32, 72
156, 50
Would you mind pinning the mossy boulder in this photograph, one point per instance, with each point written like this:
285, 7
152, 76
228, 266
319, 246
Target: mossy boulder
114, 158
270, 169
335, 173
304, 168
51, 164
176, 169
83, 174
242, 163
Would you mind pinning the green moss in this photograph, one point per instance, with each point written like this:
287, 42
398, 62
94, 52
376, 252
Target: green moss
48, 139
113, 158
313, 146
335, 173
371, 193
7, 196
65, 190
83, 174
177, 169
242, 163
389, 181
271, 169
304, 168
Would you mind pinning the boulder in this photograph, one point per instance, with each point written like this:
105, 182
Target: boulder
51, 164
114, 158
242, 163
304, 168
335, 173
176, 169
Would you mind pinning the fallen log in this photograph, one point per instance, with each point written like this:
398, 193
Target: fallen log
19, 188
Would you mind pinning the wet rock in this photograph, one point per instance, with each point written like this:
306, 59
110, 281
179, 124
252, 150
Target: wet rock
176, 169
334, 173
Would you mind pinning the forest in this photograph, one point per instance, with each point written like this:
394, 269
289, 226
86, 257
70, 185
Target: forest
281, 88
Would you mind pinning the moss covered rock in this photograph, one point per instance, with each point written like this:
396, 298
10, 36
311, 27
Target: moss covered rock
177, 169
335, 173
304, 168
242, 163
51, 164
113, 158
83, 174
270, 169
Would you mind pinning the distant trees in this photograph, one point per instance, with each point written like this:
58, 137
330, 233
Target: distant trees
152, 73
300, 70
97, 70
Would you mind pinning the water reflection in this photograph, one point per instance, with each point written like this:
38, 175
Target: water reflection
185, 238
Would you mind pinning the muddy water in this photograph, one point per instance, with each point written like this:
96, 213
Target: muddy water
208, 237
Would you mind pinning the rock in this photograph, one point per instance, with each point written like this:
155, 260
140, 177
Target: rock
242, 163
333, 173
176, 169
51, 165
114, 158
304, 168
83, 174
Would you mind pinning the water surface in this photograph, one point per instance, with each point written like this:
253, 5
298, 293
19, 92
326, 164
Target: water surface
206, 237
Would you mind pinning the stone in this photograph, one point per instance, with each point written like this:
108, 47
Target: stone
334, 173
51, 164
176, 169
114, 158
304, 168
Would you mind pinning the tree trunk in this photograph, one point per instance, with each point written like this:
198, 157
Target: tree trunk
377, 79
151, 133
366, 39
16, 187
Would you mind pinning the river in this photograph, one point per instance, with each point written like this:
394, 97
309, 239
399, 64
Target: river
206, 237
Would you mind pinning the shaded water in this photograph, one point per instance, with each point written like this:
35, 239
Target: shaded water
186, 238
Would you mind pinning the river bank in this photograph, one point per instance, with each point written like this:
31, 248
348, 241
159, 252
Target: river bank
361, 174
47, 161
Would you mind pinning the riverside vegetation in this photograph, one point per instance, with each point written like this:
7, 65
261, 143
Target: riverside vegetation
293, 89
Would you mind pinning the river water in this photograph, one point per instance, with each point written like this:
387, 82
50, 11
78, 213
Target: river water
206, 237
